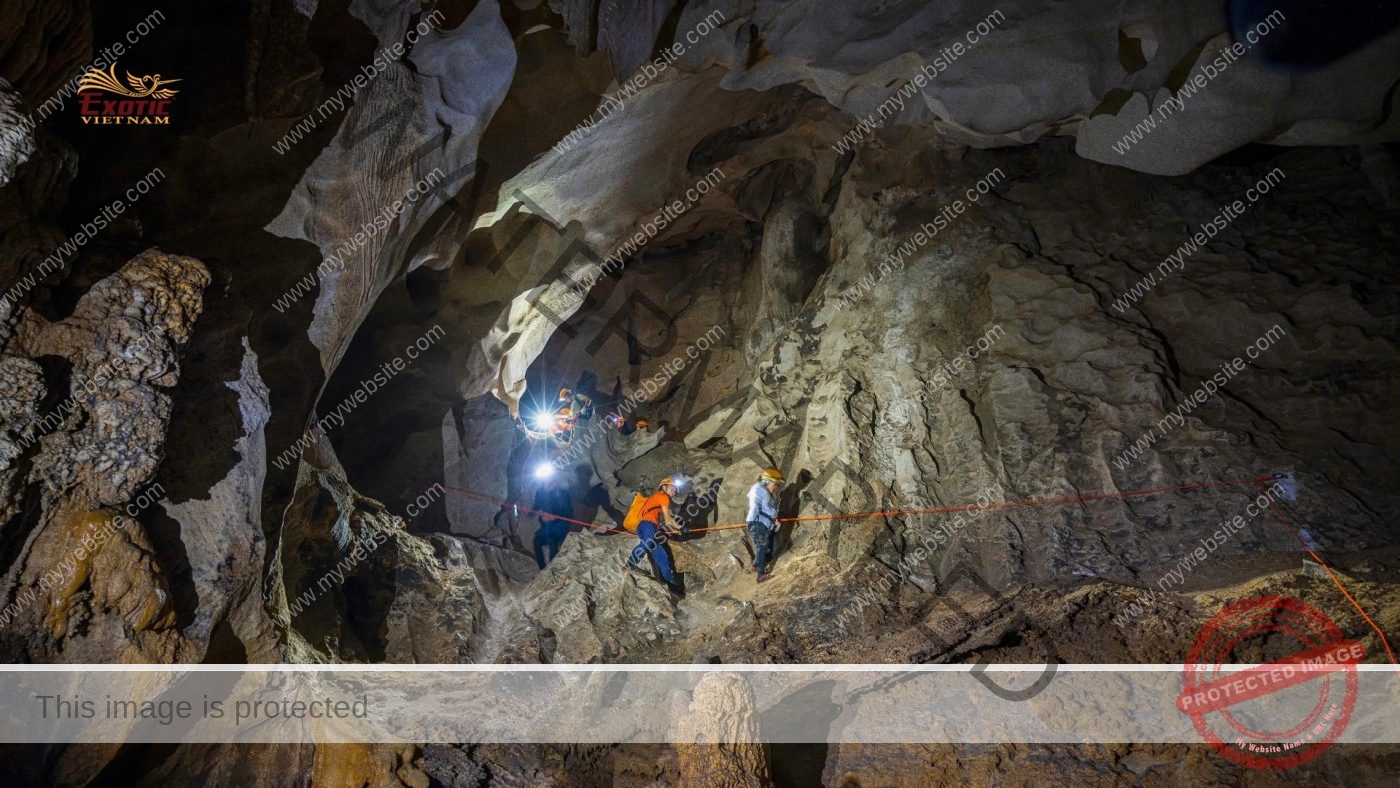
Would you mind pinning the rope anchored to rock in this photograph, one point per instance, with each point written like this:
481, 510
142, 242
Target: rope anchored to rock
1259, 481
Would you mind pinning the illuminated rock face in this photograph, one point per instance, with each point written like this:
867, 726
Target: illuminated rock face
720, 724
92, 450
989, 294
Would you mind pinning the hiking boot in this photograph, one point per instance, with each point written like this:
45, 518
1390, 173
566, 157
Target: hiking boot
676, 590
765, 577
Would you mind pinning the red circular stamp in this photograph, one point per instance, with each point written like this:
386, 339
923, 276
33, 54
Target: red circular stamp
1319, 675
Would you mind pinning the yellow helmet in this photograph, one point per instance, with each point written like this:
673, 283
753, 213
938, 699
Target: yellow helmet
565, 411
564, 393
666, 481
772, 475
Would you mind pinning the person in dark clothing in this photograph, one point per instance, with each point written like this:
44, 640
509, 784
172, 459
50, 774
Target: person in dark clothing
552, 497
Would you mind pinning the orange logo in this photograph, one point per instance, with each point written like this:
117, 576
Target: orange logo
141, 100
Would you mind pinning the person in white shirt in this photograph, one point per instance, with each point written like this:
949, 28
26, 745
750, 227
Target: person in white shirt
763, 520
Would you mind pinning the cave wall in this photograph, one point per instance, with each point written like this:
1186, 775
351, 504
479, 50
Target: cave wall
848, 391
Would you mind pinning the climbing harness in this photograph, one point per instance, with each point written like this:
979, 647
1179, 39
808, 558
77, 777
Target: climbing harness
1286, 481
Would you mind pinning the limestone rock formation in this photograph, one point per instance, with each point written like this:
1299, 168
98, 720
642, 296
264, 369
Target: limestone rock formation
88, 569
593, 609
222, 534
718, 732
44, 44
410, 138
995, 77
121, 341
945, 289
16, 135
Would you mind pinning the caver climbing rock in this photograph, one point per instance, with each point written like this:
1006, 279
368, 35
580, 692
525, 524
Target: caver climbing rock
651, 519
763, 520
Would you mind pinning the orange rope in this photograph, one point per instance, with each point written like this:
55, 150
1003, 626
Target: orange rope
1294, 529
1020, 504
503, 504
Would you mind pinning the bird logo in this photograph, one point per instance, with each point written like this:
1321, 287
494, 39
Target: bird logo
137, 87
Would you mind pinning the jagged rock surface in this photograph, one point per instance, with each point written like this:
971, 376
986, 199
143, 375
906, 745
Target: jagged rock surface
723, 717
16, 136
102, 591
1047, 70
857, 401
412, 127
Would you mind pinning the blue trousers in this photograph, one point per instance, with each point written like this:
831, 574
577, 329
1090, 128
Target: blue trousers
551, 535
646, 533
765, 544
